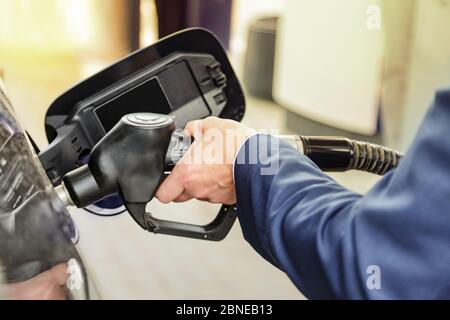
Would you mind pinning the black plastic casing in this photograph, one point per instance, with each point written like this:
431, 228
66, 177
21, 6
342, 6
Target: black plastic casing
187, 75
328, 153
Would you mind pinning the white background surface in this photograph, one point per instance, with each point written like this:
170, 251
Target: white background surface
329, 64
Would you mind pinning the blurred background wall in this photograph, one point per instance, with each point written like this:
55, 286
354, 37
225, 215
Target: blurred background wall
47, 46
416, 64
325, 70
428, 64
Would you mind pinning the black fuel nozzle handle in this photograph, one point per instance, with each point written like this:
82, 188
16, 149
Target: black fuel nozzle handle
132, 159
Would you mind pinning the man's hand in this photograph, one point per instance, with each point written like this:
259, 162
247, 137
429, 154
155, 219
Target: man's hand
49, 285
206, 170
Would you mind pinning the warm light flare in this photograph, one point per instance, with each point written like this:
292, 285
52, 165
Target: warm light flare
45, 23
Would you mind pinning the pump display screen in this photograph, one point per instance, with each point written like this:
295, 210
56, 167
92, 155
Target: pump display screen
142, 98
174, 90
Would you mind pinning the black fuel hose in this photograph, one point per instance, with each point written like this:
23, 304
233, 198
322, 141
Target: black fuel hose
342, 154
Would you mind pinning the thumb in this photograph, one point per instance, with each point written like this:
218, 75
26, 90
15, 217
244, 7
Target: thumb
194, 128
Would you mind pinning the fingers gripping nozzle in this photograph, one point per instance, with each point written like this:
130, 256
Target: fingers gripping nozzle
132, 159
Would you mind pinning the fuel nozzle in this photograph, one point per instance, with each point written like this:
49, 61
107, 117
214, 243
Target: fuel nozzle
132, 160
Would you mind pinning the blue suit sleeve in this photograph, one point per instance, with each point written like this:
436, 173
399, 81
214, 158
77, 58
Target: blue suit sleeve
331, 241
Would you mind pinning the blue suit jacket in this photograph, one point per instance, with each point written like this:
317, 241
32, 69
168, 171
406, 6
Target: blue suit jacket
393, 242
